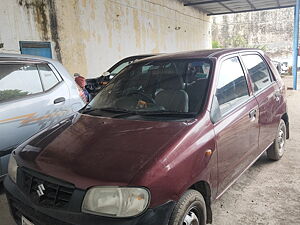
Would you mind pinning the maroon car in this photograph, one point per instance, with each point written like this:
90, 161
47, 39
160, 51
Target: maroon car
166, 137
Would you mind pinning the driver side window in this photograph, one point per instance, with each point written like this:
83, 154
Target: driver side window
232, 88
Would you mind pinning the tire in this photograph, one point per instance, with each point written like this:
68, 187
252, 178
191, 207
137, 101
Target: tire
276, 151
190, 210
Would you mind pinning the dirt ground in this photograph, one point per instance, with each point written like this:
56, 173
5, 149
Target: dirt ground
266, 194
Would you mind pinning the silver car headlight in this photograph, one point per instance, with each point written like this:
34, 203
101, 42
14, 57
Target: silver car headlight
12, 168
116, 201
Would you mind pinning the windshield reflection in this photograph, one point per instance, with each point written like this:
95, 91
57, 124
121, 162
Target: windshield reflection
173, 87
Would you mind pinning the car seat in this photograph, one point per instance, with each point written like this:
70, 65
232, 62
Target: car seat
171, 94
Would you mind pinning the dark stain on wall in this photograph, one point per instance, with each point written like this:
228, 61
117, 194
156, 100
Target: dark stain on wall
46, 19
39, 8
54, 28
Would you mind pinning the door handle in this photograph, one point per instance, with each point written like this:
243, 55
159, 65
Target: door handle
277, 95
59, 100
252, 114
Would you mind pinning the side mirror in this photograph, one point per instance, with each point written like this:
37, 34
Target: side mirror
105, 74
215, 113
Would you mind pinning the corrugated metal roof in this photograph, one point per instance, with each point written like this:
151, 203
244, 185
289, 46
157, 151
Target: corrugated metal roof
219, 7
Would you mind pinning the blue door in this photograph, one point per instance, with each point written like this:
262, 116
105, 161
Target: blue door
36, 48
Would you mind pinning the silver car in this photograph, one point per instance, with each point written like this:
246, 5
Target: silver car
35, 94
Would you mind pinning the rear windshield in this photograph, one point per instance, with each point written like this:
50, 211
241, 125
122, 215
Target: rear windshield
165, 87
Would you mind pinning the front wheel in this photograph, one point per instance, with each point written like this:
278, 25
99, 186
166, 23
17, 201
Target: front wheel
190, 210
275, 152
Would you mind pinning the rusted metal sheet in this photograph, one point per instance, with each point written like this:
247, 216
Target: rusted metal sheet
220, 7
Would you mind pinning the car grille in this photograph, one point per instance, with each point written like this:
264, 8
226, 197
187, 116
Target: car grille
18, 209
46, 193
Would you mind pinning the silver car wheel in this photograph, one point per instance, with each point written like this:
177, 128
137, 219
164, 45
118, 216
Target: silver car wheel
281, 138
191, 218
277, 149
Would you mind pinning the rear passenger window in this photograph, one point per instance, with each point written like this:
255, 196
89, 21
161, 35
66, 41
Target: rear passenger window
48, 77
258, 71
232, 87
18, 80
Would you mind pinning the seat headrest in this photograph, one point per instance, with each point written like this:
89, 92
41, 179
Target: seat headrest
170, 80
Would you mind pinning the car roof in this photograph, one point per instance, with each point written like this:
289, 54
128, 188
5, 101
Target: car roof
129, 58
15, 57
143, 55
207, 53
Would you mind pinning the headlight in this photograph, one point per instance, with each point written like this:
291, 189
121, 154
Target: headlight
12, 168
116, 201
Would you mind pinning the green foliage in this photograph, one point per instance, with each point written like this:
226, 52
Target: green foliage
261, 47
11, 94
216, 44
241, 42
237, 41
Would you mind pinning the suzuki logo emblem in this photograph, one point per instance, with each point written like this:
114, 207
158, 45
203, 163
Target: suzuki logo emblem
40, 190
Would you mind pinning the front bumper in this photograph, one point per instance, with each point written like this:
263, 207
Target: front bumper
20, 205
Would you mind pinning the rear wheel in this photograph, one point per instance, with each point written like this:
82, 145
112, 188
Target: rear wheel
276, 151
190, 210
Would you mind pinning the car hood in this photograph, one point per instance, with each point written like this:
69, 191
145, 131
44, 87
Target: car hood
98, 151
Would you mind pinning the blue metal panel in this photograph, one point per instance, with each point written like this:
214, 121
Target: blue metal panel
295, 44
45, 52
36, 48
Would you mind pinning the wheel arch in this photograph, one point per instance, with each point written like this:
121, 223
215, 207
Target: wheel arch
204, 188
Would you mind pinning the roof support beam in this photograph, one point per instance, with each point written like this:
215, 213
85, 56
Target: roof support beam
206, 11
205, 2
251, 5
222, 4
278, 3
242, 11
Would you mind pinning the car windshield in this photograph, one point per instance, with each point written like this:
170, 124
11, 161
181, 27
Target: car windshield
115, 69
120, 67
156, 88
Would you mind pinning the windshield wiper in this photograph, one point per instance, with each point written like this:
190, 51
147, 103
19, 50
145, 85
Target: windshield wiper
168, 113
88, 109
119, 112
112, 109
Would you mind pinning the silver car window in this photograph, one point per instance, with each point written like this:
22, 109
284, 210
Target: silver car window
48, 77
18, 80
232, 87
258, 71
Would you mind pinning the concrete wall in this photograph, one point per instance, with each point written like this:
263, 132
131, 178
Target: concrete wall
88, 36
271, 30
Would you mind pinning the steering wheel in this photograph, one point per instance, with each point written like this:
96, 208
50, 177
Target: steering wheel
141, 93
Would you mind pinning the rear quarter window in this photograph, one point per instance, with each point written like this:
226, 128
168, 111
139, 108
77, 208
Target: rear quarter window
49, 79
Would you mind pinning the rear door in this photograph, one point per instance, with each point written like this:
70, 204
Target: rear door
57, 94
32, 97
267, 93
237, 127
